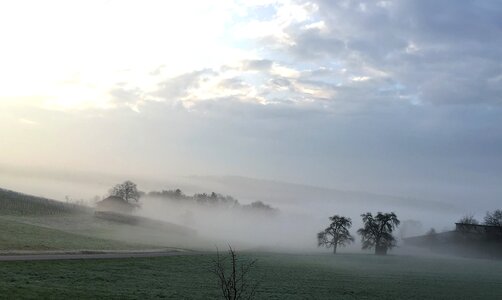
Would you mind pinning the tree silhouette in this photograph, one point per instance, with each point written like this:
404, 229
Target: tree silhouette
377, 231
468, 219
337, 233
127, 191
494, 218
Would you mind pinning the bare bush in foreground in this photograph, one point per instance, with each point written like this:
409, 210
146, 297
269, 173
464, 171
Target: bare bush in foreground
233, 276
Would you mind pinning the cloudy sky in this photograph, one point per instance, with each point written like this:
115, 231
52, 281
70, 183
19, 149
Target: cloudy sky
397, 97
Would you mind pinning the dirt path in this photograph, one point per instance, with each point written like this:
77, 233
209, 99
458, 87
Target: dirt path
112, 255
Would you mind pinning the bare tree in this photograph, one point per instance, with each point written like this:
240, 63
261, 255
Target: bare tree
377, 231
127, 191
468, 219
337, 233
233, 276
494, 218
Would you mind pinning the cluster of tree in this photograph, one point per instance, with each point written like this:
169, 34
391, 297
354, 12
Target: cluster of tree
376, 232
212, 199
493, 218
128, 191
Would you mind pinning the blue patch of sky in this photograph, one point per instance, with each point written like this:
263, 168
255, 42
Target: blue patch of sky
259, 13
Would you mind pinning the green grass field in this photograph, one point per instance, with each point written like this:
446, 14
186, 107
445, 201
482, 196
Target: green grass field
14, 203
345, 276
29, 223
16, 235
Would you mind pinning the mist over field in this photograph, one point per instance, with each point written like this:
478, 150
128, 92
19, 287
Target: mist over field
302, 210
292, 229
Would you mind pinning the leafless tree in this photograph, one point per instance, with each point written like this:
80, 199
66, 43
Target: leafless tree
377, 231
126, 190
233, 276
468, 219
337, 233
494, 218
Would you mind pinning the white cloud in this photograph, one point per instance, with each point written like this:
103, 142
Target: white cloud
259, 51
284, 71
360, 78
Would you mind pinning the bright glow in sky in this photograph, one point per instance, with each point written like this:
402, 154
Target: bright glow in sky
68, 55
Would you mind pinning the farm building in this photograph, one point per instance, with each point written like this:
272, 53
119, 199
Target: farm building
488, 231
466, 240
115, 204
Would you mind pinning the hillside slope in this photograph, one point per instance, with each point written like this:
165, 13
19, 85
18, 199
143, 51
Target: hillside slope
14, 203
35, 223
18, 236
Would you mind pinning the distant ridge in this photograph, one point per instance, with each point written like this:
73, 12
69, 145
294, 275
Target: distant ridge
273, 191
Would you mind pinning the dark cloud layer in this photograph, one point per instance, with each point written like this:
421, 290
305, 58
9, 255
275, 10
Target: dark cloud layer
442, 52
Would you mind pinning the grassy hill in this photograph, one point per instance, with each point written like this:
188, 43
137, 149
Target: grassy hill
14, 203
35, 223
16, 236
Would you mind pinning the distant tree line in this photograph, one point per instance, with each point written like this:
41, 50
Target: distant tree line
493, 218
212, 200
201, 198
129, 192
375, 234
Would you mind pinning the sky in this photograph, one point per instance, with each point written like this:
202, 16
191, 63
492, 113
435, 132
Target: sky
394, 97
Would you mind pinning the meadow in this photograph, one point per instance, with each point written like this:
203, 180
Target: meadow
32, 224
280, 276
29, 223
19, 236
